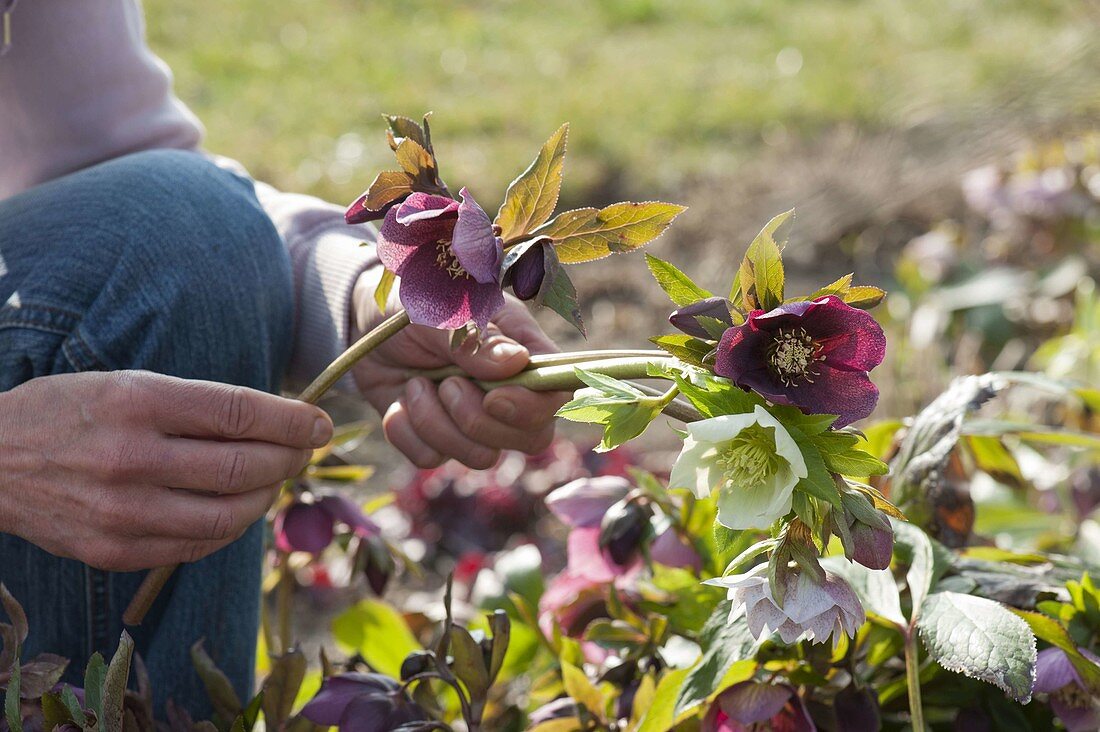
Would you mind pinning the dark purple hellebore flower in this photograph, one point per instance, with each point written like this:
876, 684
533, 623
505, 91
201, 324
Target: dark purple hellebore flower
310, 527
526, 275
361, 702
814, 355
447, 257
1070, 699
685, 320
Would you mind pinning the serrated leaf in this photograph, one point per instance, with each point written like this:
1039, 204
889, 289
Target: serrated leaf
581, 690
405, 127
761, 272
414, 159
819, 481
588, 234
839, 288
688, 349
1052, 632
93, 684
561, 297
76, 712
863, 297
981, 639
678, 286
387, 187
114, 685
532, 197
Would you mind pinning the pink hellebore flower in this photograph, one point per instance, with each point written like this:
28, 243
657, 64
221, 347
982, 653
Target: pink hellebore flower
811, 610
310, 527
1070, 699
447, 257
814, 355
743, 706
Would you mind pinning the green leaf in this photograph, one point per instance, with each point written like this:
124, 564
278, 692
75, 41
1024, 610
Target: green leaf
383, 288
587, 234
688, 349
761, 272
469, 662
981, 639
281, 686
12, 710
405, 127
581, 690
378, 632
387, 187
559, 294
838, 288
724, 644
863, 297
414, 159
532, 197
1032, 433
877, 589
501, 626
76, 712
661, 715
114, 685
992, 457
677, 285
54, 711
1052, 632
819, 481
714, 396
921, 571
93, 684
223, 698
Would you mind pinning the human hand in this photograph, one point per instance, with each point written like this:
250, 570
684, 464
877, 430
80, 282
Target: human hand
432, 423
130, 470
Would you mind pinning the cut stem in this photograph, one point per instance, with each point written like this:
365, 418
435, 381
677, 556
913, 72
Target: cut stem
912, 681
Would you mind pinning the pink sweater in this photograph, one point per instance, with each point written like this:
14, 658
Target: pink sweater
79, 86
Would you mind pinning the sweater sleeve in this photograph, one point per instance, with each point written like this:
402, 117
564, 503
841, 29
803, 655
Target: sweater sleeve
80, 86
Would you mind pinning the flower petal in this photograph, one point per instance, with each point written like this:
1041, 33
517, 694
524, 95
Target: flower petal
749, 701
435, 298
350, 513
684, 318
1053, 670
722, 428
851, 394
785, 445
692, 468
337, 692
304, 527
397, 242
754, 508
477, 249
850, 337
584, 501
423, 206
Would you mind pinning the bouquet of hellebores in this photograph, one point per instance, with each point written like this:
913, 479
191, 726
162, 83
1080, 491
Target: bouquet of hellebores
777, 574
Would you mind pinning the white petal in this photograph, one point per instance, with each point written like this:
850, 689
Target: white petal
752, 508
722, 428
806, 599
785, 445
692, 468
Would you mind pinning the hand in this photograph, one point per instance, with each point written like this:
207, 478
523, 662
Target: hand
431, 424
131, 470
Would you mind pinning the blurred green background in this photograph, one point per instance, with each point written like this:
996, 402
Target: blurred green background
664, 96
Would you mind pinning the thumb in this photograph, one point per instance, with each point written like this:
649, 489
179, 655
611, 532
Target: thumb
496, 357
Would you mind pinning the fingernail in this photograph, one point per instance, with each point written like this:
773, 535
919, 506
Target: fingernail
416, 389
321, 432
505, 351
450, 393
502, 408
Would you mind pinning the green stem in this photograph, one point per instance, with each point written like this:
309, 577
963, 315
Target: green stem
547, 359
346, 360
912, 681
563, 377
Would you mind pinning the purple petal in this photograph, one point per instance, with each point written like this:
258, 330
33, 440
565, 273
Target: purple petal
423, 206
527, 274
474, 244
712, 307
672, 550
743, 352
398, 242
358, 213
1076, 719
1053, 670
749, 702
850, 394
873, 547
348, 512
585, 557
304, 527
337, 692
583, 502
434, 298
850, 338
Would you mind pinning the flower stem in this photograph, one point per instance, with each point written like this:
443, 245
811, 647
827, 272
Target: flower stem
549, 359
912, 681
378, 335
157, 577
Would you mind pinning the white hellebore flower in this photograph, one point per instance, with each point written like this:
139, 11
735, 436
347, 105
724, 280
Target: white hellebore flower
816, 611
750, 459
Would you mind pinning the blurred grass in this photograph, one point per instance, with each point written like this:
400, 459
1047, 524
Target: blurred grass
659, 92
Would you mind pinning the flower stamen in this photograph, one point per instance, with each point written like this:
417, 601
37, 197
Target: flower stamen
448, 262
750, 458
792, 356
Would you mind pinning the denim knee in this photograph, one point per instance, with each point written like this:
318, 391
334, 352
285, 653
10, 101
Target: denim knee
201, 287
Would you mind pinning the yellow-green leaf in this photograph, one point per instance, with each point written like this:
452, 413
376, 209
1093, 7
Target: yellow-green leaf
761, 272
413, 157
678, 286
587, 234
581, 690
864, 297
532, 197
388, 186
382, 290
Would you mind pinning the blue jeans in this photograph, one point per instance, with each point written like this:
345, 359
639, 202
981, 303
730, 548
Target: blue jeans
158, 261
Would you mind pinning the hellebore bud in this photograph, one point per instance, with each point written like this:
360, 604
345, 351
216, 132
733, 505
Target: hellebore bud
622, 529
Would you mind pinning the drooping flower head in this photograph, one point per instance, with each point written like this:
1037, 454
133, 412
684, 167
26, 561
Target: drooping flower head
814, 355
310, 527
811, 610
362, 702
1070, 699
750, 459
743, 706
447, 257
687, 317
